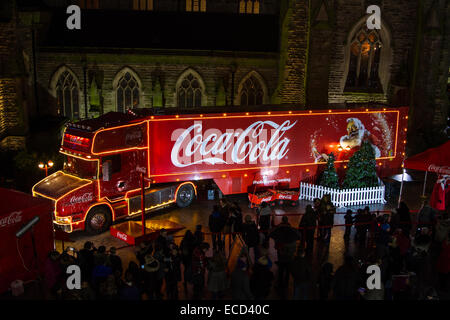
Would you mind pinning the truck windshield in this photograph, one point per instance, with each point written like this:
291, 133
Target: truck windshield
80, 168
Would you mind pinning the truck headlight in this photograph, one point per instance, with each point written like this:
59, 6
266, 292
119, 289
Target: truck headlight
63, 220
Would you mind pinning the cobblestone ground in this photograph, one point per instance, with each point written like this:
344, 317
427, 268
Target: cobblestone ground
199, 211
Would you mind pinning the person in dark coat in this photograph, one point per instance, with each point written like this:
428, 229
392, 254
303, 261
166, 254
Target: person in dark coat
100, 274
426, 215
53, 274
301, 272
160, 256
325, 281
322, 215
145, 248
187, 247
172, 272
330, 210
349, 222
236, 213
199, 235
150, 277
116, 263
129, 290
443, 265
346, 281
240, 281
100, 256
217, 276
86, 261
308, 223
261, 279
136, 272
250, 235
286, 243
199, 264
161, 241
405, 218
216, 224
264, 214
224, 208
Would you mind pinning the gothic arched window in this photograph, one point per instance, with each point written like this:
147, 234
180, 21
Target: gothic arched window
196, 5
249, 6
143, 5
251, 93
365, 53
189, 92
67, 95
127, 91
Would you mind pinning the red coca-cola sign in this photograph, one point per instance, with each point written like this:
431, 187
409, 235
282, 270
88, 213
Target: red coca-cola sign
199, 144
12, 218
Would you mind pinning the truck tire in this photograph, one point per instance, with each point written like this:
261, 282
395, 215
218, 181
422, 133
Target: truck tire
185, 195
98, 220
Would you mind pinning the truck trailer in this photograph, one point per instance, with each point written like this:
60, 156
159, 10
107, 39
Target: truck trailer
105, 157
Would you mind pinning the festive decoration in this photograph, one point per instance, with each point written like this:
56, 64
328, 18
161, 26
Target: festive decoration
330, 178
439, 197
361, 171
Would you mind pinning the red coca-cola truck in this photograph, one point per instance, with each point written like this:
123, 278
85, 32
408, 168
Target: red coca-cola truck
239, 151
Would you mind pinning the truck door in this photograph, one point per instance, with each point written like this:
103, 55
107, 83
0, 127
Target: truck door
112, 183
120, 174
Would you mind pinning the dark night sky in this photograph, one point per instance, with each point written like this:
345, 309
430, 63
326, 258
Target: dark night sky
166, 30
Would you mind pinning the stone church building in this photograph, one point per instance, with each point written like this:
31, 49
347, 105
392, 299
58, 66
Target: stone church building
311, 54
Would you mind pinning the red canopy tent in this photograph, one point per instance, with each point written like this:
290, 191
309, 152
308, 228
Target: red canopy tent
432, 160
17, 260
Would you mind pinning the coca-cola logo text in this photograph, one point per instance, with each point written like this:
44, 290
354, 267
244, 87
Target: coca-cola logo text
439, 169
81, 199
12, 218
235, 146
122, 236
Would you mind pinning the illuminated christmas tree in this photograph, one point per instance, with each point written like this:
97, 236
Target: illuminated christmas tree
361, 171
330, 178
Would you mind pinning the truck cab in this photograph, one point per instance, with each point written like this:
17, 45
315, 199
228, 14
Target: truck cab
101, 181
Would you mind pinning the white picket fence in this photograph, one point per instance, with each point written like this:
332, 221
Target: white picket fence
345, 197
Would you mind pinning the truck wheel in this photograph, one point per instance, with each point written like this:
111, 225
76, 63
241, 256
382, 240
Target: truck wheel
185, 195
98, 220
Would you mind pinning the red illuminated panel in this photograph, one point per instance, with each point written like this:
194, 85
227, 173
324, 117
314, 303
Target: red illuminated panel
121, 138
228, 143
76, 142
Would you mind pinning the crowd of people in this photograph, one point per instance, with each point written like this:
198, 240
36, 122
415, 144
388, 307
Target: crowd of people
413, 256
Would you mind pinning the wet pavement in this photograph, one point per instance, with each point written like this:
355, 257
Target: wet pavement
199, 211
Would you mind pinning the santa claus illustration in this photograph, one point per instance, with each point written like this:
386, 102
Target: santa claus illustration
356, 134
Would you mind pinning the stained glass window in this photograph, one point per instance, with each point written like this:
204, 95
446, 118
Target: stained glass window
127, 92
189, 92
365, 51
67, 92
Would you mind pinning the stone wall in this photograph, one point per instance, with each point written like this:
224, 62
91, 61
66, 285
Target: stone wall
266, 6
398, 23
212, 70
13, 109
294, 55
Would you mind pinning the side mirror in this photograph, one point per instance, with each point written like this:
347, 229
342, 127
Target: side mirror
106, 170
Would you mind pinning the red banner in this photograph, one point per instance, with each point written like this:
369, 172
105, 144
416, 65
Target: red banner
217, 143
